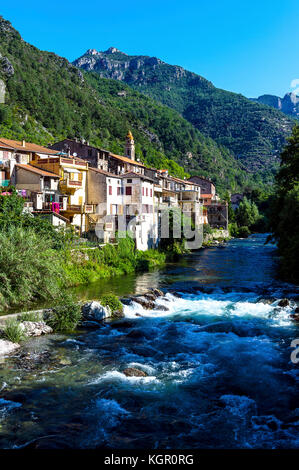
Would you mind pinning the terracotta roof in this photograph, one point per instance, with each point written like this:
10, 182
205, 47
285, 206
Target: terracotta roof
36, 170
206, 196
5, 146
126, 159
30, 147
182, 181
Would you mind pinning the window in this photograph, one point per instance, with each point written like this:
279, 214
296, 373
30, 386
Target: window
110, 190
129, 181
89, 152
128, 190
142, 191
146, 192
151, 193
118, 190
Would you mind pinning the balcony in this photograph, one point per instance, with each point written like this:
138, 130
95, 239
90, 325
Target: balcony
69, 186
189, 195
73, 209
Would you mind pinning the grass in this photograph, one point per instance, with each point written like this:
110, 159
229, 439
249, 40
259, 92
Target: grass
30, 316
13, 331
112, 301
65, 316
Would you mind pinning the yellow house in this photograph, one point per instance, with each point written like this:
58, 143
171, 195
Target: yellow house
73, 182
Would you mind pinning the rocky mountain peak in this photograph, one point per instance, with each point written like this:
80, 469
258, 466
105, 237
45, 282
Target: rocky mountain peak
113, 50
91, 52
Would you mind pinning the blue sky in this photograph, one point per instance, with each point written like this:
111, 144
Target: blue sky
250, 47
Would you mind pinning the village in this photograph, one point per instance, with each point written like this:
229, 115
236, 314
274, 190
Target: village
100, 193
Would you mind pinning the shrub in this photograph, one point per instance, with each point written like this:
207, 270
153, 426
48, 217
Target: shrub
65, 316
30, 316
112, 301
13, 331
233, 229
207, 229
243, 232
29, 270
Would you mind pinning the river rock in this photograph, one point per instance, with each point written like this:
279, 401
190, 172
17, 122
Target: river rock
283, 303
147, 304
162, 308
117, 314
90, 324
157, 292
295, 316
126, 301
150, 296
133, 372
7, 347
35, 328
94, 311
136, 334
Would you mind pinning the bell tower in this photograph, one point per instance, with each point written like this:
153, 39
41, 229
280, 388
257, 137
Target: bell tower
130, 146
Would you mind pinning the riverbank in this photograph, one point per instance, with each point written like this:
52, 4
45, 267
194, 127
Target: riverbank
212, 361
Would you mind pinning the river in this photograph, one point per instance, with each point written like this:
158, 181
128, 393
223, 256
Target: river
218, 364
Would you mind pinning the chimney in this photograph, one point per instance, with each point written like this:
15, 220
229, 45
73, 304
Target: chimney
23, 143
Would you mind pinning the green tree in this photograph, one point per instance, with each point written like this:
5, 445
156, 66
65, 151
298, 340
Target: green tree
284, 219
247, 213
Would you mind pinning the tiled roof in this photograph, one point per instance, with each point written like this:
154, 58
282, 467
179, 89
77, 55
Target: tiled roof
126, 159
30, 147
5, 146
36, 170
179, 180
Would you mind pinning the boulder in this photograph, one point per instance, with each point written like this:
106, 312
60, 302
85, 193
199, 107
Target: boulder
161, 308
133, 372
147, 304
7, 347
283, 303
150, 296
35, 328
297, 310
157, 292
117, 314
295, 316
126, 301
90, 324
136, 334
94, 311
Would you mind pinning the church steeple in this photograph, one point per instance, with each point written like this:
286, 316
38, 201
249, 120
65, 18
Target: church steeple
130, 146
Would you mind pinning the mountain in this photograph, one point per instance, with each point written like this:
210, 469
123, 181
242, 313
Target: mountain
289, 104
253, 132
48, 99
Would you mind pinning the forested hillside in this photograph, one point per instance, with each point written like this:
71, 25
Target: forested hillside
48, 99
254, 133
